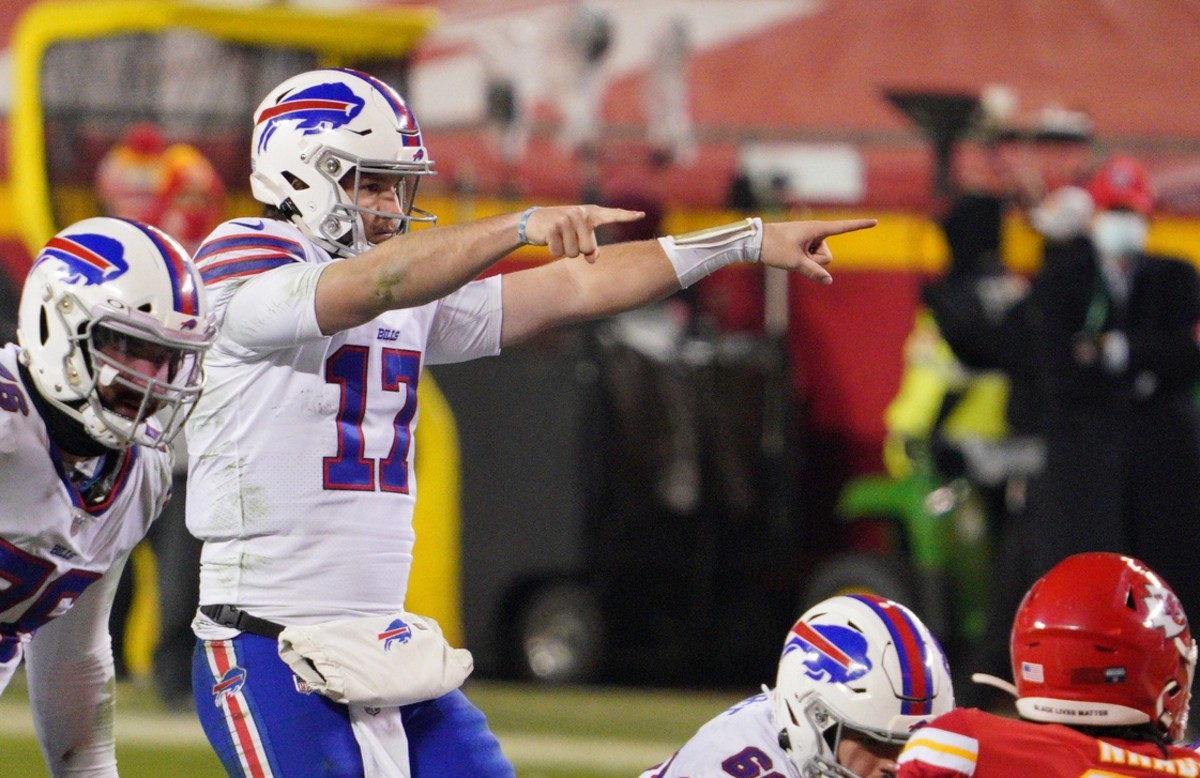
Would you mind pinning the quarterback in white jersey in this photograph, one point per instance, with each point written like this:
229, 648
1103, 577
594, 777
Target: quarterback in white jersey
113, 324
305, 447
858, 674
301, 481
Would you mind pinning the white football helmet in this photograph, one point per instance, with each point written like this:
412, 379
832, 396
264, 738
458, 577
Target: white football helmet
105, 301
317, 128
858, 662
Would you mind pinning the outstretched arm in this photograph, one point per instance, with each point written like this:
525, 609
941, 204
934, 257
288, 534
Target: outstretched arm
420, 267
630, 275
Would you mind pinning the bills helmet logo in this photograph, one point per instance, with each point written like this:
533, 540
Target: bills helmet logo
86, 258
830, 653
231, 683
315, 109
396, 633
1164, 611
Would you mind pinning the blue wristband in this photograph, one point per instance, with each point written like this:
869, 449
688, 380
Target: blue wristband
523, 223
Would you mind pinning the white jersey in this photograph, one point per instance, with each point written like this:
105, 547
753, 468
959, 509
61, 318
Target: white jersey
300, 478
744, 740
54, 545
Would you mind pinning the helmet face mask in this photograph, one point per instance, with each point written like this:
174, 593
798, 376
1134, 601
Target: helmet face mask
138, 374
351, 222
856, 666
317, 136
113, 325
828, 731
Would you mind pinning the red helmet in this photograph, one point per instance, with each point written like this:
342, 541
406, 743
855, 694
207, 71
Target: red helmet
1122, 183
1101, 640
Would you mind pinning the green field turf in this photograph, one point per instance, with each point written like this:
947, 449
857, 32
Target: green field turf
548, 732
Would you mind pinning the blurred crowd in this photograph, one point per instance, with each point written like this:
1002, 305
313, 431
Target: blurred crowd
1065, 398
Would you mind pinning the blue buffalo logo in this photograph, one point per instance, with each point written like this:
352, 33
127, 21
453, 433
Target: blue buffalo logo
396, 633
85, 258
312, 110
231, 683
831, 654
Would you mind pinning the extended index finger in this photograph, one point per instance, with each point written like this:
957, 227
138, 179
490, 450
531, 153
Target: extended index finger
842, 226
605, 215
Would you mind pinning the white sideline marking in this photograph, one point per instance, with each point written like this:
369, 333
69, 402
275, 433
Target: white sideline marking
526, 750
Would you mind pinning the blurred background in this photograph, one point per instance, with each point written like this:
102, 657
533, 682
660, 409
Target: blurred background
648, 501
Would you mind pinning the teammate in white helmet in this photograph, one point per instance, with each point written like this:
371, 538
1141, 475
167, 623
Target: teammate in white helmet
301, 480
113, 326
858, 674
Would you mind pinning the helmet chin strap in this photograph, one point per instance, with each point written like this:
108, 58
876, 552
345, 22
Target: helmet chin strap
998, 683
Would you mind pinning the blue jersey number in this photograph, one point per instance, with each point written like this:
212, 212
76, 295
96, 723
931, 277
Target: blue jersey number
24, 575
750, 763
351, 469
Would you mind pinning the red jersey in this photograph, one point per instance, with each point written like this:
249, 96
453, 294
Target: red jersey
970, 742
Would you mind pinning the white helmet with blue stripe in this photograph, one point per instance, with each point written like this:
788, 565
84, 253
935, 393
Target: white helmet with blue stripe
316, 134
103, 297
858, 663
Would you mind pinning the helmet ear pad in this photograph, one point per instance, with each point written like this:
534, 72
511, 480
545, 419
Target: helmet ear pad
1102, 639
314, 134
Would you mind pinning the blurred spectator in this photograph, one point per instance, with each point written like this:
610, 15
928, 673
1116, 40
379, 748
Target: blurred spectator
669, 126
173, 187
1114, 332
191, 200
943, 409
983, 312
947, 426
130, 176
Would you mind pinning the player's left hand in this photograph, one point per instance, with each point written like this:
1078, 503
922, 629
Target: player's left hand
800, 246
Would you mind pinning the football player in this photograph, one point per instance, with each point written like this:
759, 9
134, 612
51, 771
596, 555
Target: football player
113, 326
858, 674
1103, 659
301, 480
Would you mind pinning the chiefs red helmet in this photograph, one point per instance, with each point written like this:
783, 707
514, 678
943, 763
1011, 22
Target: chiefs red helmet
1101, 640
1122, 183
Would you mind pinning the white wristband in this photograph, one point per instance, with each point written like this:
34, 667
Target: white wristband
695, 255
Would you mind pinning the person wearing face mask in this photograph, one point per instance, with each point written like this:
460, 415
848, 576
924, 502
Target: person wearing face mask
1112, 340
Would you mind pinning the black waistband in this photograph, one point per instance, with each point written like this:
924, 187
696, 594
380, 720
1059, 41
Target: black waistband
230, 616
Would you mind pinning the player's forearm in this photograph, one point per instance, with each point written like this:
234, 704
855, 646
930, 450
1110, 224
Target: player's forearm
411, 270
626, 276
